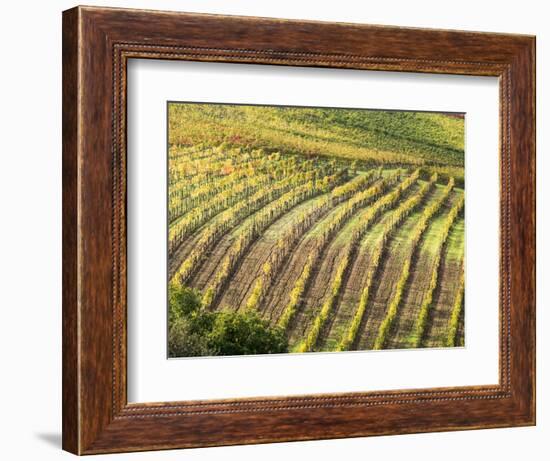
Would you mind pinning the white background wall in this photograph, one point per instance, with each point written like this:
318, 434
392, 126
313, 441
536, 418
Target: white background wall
30, 228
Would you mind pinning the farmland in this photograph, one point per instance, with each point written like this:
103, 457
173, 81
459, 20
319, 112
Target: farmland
299, 230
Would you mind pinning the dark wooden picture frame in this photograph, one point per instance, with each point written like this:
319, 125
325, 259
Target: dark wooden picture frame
97, 43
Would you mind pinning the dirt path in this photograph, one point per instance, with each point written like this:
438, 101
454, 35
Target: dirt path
175, 261
242, 281
184, 248
351, 291
445, 294
419, 279
384, 284
318, 289
321, 283
321, 278
278, 297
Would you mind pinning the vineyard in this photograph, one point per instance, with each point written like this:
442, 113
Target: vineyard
297, 251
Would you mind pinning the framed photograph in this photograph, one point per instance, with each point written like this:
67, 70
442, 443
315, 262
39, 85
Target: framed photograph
280, 230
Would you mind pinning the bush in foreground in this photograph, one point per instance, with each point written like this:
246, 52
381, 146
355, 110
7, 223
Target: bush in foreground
236, 333
194, 331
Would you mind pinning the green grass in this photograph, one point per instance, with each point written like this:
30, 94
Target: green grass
455, 241
374, 136
431, 240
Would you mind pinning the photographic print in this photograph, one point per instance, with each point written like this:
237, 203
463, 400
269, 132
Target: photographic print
309, 229
263, 234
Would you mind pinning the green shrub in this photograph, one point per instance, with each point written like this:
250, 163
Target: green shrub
185, 340
194, 331
236, 333
183, 300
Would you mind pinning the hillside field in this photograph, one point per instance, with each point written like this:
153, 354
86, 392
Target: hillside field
311, 229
